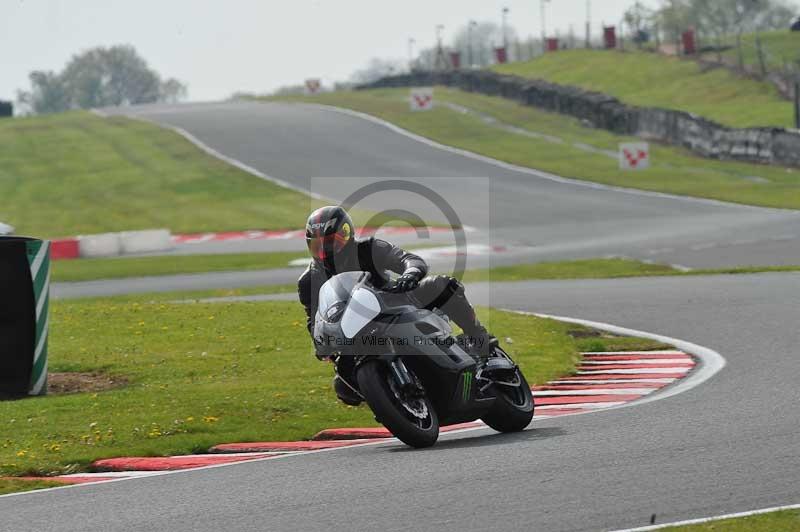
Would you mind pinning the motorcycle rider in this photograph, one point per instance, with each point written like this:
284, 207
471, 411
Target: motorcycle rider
330, 236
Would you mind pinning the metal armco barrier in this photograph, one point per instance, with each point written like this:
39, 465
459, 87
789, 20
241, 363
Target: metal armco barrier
24, 313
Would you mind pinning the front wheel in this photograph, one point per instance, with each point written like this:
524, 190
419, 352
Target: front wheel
513, 409
412, 419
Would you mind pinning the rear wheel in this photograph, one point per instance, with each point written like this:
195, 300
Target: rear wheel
513, 409
411, 418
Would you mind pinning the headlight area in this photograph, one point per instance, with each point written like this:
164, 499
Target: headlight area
334, 313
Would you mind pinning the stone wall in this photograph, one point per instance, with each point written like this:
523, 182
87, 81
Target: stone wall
702, 136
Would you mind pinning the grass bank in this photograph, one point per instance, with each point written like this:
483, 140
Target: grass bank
785, 521
10, 485
674, 170
201, 374
77, 173
780, 48
654, 80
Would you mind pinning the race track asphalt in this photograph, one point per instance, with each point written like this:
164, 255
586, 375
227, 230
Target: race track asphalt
730, 444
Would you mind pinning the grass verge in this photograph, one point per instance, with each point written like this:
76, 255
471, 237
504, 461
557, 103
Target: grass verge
655, 80
785, 521
10, 485
117, 268
576, 269
674, 170
202, 374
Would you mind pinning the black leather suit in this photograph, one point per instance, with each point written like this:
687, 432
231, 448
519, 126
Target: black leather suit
376, 256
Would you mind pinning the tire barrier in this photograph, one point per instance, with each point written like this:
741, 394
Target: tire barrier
706, 138
97, 246
125, 243
149, 241
24, 315
66, 248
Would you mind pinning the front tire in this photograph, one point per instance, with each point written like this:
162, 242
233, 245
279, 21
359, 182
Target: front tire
513, 409
374, 382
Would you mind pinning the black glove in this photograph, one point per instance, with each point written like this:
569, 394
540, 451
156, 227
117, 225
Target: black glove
408, 281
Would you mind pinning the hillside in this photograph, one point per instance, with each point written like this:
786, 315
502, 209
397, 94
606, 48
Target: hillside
76, 173
651, 80
780, 48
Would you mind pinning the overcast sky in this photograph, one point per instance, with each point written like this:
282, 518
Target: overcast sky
219, 47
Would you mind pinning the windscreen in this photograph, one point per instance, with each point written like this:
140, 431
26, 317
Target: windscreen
337, 289
362, 309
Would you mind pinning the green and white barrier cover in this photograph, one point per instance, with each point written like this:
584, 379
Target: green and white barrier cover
39, 260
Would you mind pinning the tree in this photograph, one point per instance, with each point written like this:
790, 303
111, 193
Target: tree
674, 17
100, 77
47, 95
172, 91
638, 18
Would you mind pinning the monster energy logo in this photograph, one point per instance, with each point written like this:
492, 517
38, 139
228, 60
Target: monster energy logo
466, 384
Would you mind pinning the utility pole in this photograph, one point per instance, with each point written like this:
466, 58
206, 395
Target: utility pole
543, 16
441, 61
588, 24
411, 43
505, 33
471, 25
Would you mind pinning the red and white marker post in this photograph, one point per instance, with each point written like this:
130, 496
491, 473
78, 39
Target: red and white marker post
313, 86
421, 98
634, 156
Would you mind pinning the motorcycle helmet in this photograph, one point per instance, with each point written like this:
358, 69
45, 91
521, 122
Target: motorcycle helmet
329, 235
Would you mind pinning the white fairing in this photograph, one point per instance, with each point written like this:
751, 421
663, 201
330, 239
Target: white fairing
361, 310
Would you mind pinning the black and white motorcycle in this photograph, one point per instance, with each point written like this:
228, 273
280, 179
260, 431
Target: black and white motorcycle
409, 368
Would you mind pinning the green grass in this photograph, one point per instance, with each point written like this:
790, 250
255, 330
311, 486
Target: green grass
116, 268
576, 269
8, 485
653, 80
203, 374
785, 521
76, 173
674, 170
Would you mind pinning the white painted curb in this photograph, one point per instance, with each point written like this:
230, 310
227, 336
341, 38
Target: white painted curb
218, 155
711, 362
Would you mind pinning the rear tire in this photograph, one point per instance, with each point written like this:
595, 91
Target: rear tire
513, 409
373, 381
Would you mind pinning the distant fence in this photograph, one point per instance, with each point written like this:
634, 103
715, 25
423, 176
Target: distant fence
702, 136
